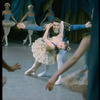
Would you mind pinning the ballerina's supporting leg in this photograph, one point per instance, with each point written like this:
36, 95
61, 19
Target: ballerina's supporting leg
30, 32
60, 56
6, 33
33, 69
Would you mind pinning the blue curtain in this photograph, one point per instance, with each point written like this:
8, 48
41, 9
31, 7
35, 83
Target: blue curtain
93, 56
65, 6
17, 6
75, 5
37, 5
27, 2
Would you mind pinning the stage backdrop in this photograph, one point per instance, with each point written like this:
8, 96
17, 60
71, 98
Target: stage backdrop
71, 11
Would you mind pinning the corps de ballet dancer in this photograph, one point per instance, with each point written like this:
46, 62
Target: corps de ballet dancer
49, 16
7, 23
30, 15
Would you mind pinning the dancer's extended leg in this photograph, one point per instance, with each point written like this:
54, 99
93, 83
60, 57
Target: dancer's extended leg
33, 69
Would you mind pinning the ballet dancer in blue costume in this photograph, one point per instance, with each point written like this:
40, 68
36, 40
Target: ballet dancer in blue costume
61, 53
30, 15
49, 16
7, 23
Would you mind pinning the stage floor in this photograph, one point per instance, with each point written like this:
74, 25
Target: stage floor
21, 87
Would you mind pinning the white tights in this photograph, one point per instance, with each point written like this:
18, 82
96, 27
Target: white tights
60, 56
30, 32
6, 33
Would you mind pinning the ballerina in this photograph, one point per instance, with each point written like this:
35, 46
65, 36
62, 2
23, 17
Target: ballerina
7, 23
30, 15
49, 16
45, 49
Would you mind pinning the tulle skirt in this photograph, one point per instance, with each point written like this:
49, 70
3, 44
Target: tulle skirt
27, 23
8, 23
76, 81
41, 53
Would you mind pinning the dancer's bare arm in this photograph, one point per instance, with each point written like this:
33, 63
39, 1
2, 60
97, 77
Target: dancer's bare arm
48, 42
10, 68
24, 17
13, 17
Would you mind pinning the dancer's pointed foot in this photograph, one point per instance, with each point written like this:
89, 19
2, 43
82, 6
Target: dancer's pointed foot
29, 72
6, 44
58, 82
43, 74
24, 41
29, 44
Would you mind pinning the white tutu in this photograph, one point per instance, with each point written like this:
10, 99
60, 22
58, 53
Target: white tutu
76, 81
27, 23
8, 23
41, 54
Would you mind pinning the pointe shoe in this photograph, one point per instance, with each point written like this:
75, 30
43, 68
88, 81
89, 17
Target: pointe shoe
24, 41
58, 82
6, 44
29, 44
43, 74
29, 72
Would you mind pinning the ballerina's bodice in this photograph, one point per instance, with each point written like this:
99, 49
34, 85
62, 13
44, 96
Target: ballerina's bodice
30, 19
7, 17
51, 17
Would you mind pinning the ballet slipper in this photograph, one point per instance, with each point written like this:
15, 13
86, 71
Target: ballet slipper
6, 44
24, 41
29, 44
58, 82
43, 74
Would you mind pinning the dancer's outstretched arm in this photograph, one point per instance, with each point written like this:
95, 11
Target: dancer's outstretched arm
48, 42
10, 68
61, 29
34, 28
69, 63
24, 17
79, 26
43, 19
13, 17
